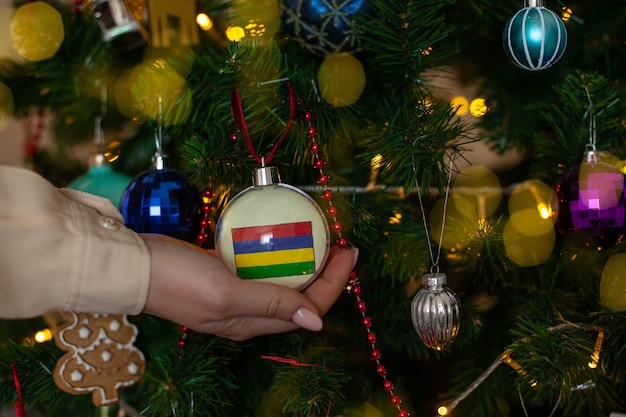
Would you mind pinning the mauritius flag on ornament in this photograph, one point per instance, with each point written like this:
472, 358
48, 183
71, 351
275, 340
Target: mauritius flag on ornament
277, 250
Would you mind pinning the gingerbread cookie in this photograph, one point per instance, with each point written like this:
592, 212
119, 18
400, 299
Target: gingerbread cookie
100, 357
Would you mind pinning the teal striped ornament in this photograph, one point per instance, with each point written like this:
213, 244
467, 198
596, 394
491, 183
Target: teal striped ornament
534, 38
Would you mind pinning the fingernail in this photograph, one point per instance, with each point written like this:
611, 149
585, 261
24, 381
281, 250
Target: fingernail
307, 319
356, 256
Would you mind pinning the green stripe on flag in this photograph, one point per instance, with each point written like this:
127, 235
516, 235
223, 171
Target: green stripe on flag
279, 270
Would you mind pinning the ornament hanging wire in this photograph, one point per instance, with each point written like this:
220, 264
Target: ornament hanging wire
434, 268
521, 399
592, 122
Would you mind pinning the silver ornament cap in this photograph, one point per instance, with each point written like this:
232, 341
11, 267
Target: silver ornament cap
435, 312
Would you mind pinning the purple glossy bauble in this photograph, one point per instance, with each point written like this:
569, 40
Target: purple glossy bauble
592, 206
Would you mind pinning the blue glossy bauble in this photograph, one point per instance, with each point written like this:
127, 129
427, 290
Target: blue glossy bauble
323, 27
534, 38
162, 202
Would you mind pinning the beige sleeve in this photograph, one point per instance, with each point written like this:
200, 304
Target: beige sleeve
65, 250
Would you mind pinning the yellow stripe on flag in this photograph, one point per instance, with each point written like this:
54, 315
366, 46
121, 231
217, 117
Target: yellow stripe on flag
274, 257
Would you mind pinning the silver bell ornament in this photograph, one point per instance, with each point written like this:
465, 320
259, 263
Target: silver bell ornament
273, 232
435, 312
120, 27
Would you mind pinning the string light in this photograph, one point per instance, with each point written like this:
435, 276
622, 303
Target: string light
478, 107
518, 368
235, 33
566, 14
460, 104
42, 336
595, 357
204, 21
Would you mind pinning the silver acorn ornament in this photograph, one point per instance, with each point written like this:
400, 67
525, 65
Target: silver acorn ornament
435, 312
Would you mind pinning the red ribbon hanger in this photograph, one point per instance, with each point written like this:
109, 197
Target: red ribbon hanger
237, 111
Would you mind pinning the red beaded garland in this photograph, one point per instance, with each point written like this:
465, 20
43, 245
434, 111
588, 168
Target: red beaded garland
375, 354
207, 209
388, 385
342, 243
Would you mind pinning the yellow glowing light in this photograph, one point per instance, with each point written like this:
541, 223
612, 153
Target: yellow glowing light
255, 28
37, 31
566, 14
545, 212
377, 161
396, 218
204, 21
442, 411
478, 107
341, 79
43, 336
481, 186
527, 249
460, 104
533, 206
427, 50
235, 33
613, 284
461, 223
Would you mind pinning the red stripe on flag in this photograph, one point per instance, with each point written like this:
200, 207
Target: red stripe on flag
275, 231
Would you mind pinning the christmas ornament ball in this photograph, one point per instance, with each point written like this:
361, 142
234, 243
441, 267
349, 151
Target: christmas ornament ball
273, 233
341, 79
592, 205
435, 312
323, 27
534, 38
102, 181
162, 201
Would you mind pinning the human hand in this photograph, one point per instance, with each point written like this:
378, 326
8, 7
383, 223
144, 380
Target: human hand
193, 288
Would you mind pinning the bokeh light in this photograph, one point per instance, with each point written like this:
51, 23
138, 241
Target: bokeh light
156, 88
566, 14
258, 19
7, 106
527, 250
533, 208
480, 185
341, 79
613, 283
478, 107
42, 336
460, 104
461, 223
235, 33
37, 31
204, 21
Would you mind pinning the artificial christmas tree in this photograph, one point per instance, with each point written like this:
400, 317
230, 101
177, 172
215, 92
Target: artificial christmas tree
529, 297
